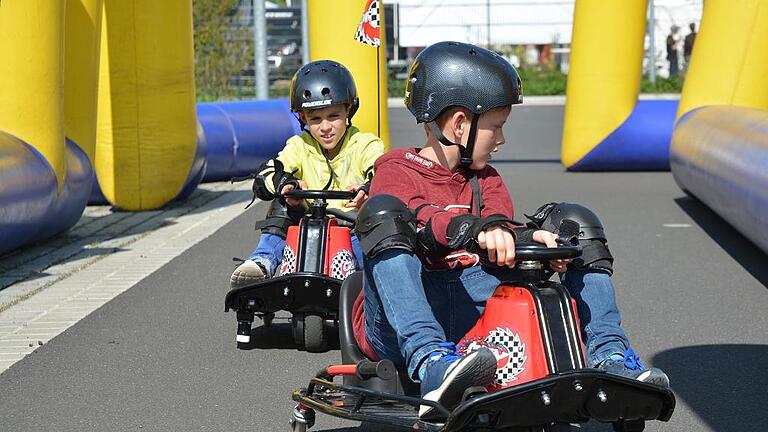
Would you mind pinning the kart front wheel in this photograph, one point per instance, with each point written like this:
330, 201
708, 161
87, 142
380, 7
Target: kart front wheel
315, 334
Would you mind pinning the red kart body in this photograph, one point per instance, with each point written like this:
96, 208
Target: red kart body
510, 327
338, 260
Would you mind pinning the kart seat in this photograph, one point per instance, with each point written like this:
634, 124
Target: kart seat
354, 345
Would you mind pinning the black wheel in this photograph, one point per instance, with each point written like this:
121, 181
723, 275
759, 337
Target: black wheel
315, 334
637, 425
266, 320
554, 427
297, 329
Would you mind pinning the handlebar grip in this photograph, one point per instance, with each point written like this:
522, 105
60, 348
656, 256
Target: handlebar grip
383, 369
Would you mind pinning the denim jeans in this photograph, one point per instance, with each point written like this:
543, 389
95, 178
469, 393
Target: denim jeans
408, 312
269, 252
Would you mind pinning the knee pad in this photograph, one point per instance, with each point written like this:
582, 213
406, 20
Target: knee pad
384, 222
595, 254
279, 217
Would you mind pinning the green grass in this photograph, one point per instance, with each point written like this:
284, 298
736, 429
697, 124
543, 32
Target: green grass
545, 82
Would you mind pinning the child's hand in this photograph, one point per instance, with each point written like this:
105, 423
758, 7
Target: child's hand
293, 202
550, 240
500, 245
358, 200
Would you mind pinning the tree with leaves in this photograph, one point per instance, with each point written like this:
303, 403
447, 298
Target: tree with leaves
221, 47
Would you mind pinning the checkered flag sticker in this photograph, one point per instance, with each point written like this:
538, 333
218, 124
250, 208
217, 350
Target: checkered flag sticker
289, 262
369, 30
509, 351
342, 265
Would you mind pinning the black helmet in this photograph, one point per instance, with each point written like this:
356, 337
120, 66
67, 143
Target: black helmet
323, 83
449, 74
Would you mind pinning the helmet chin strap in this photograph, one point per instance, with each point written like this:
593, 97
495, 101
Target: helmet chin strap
464, 152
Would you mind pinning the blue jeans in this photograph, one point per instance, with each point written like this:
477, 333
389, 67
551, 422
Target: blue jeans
269, 252
409, 312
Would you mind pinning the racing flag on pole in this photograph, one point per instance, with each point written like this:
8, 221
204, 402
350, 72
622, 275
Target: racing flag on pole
369, 31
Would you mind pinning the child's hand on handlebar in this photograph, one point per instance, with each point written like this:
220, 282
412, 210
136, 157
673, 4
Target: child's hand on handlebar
289, 187
359, 199
550, 240
500, 245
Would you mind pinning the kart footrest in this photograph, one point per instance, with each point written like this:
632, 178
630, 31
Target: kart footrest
571, 397
359, 404
292, 292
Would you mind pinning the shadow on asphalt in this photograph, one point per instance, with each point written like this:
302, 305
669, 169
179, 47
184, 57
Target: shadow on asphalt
725, 385
749, 256
279, 336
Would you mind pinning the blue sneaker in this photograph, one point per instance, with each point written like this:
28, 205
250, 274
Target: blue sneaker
628, 365
448, 374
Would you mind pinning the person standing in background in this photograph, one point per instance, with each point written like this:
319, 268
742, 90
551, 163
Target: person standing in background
690, 39
672, 55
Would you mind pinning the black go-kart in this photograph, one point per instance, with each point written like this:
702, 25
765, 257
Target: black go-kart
317, 258
552, 391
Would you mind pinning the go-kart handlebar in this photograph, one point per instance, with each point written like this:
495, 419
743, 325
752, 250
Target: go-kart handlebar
319, 194
540, 252
346, 216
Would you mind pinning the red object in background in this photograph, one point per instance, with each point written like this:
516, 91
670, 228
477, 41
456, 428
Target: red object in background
339, 258
510, 328
290, 256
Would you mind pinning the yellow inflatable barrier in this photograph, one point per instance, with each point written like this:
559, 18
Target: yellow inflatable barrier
729, 65
604, 73
332, 25
146, 129
81, 72
32, 77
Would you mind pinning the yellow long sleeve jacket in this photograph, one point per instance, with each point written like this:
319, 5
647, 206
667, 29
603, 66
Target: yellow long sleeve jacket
303, 159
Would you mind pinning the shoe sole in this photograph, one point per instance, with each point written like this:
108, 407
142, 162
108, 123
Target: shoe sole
481, 370
241, 279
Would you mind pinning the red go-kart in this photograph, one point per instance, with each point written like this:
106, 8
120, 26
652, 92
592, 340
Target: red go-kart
317, 258
542, 382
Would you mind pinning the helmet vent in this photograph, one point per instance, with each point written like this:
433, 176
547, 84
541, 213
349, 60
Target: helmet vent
473, 52
324, 69
307, 94
326, 91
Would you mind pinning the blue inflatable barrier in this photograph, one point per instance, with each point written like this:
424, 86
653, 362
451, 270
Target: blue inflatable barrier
31, 208
240, 136
641, 143
719, 154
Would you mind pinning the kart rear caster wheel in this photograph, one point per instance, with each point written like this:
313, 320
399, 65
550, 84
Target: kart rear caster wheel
297, 330
554, 427
266, 320
637, 425
303, 418
315, 334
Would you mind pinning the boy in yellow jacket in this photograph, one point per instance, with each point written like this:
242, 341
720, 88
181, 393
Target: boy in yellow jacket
330, 154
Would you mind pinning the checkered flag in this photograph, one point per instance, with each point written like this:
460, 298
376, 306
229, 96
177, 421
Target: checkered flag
369, 30
508, 348
510, 354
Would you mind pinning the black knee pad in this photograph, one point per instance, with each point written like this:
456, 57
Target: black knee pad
595, 254
384, 222
279, 217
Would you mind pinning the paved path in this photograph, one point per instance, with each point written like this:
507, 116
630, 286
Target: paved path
160, 356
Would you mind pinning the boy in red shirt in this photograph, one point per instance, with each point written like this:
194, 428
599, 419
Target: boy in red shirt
433, 211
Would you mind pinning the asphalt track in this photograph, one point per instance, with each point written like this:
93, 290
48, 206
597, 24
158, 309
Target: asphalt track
161, 356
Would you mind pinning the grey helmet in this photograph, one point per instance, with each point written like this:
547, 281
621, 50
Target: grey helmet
449, 74
323, 83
